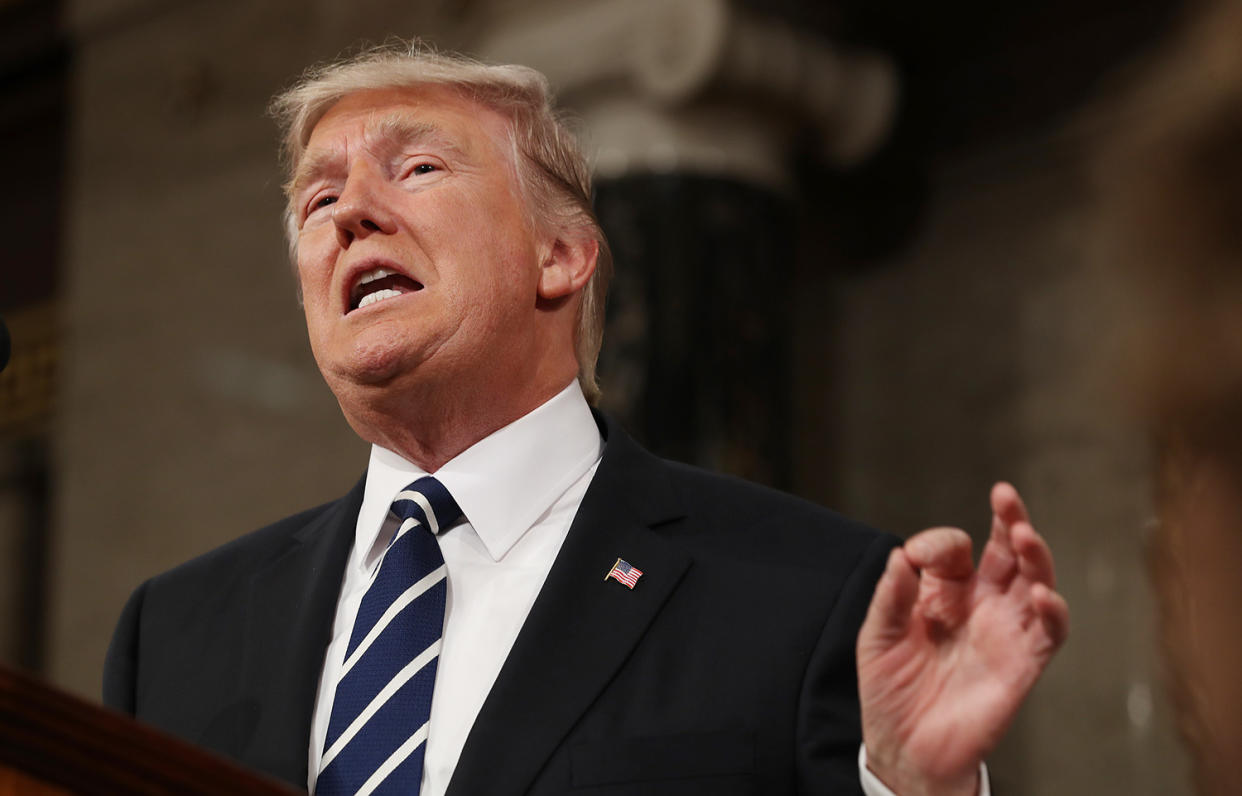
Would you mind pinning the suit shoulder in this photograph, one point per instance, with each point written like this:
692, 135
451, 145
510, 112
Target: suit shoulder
766, 519
242, 555
753, 502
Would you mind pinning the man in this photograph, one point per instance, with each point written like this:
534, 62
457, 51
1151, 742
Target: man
553, 609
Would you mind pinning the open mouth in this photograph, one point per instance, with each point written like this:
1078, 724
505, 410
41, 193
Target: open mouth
378, 285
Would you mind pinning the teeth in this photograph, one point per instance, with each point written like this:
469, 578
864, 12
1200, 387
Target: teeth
378, 273
378, 295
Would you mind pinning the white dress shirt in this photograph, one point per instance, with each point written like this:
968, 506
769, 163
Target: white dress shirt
519, 490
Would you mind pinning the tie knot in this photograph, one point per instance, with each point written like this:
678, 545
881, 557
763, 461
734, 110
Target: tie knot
427, 501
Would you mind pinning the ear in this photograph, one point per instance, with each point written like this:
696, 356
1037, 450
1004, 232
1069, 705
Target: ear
567, 267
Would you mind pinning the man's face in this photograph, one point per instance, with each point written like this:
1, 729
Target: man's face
416, 256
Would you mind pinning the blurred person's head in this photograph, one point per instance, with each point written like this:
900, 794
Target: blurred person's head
550, 176
1172, 212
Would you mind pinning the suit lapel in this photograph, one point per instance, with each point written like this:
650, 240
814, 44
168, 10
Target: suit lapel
581, 627
289, 624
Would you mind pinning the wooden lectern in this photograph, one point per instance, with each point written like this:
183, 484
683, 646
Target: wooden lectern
53, 743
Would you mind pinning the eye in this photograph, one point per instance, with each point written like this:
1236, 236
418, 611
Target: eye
421, 168
319, 202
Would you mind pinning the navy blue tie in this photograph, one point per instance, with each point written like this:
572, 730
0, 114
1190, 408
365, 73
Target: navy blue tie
377, 733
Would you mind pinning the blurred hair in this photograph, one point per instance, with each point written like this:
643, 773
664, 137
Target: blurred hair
552, 172
1171, 182
1170, 178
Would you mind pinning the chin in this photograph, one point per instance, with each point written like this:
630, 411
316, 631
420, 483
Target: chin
373, 362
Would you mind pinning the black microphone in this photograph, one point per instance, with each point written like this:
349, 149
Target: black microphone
5, 347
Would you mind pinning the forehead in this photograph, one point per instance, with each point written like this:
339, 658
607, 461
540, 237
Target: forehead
419, 114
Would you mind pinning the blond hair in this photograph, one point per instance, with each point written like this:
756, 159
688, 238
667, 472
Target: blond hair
1171, 184
552, 172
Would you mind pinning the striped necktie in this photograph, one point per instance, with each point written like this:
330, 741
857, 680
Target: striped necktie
377, 733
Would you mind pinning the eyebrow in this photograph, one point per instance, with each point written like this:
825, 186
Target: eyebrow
392, 132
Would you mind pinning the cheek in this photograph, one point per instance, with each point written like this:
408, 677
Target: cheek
487, 266
317, 306
505, 295
314, 272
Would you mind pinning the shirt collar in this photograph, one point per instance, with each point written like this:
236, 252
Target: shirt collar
504, 482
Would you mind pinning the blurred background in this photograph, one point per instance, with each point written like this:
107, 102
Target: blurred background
853, 261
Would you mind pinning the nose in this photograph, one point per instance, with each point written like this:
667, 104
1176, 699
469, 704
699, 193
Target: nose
361, 209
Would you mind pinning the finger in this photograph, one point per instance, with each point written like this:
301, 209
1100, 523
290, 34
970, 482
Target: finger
998, 564
1007, 504
1034, 555
1053, 614
889, 614
942, 552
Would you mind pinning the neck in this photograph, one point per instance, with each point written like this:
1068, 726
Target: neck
428, 430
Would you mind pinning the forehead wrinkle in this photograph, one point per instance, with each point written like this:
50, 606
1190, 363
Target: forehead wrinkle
394, 131
386, 135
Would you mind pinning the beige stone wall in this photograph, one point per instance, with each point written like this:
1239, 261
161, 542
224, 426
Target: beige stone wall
192, 410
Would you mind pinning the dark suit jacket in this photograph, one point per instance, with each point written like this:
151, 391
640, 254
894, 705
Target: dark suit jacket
729, 668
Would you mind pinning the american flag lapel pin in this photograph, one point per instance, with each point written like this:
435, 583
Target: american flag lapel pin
624, 572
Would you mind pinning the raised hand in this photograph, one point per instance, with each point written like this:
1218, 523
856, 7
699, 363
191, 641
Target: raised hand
947, 652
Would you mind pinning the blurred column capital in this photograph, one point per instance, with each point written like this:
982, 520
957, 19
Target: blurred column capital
700, 86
